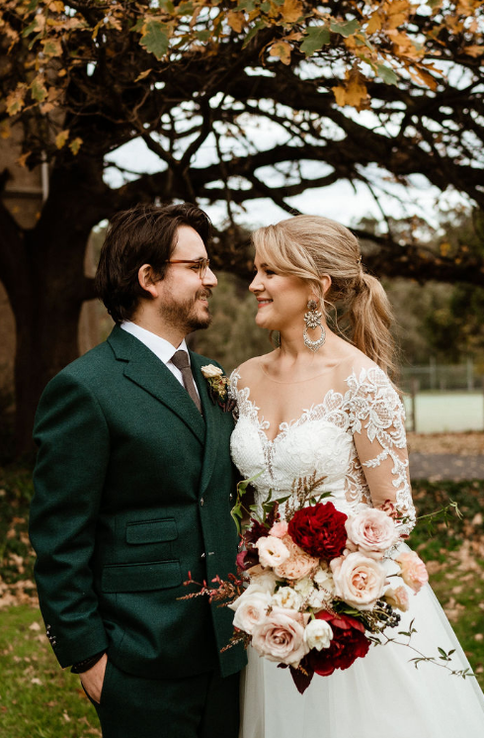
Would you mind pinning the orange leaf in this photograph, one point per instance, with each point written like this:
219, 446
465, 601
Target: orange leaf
282, 51
291, 11
353, 92
236, 21
474, 50
374, 24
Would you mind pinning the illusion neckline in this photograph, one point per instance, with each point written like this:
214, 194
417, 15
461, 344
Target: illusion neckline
286, 425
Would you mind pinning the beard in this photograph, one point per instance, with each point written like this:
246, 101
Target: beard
187, 314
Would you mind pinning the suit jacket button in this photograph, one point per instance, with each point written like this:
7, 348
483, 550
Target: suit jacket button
202, 502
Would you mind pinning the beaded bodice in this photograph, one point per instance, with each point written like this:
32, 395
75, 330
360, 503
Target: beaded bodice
355, 439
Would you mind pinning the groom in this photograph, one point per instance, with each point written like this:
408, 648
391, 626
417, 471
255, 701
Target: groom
133, 490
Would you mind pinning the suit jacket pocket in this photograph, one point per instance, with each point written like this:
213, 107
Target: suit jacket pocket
151, 531
141, 577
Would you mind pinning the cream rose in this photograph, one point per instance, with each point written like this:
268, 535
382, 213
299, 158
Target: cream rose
413, 570
358, 580
272, 551
262, 579
287, 597
373, 531
398, 598
250, 609
318, 634
298, 565
210, 371
280, 636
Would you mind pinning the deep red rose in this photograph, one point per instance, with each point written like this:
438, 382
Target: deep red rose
319, 530
348, 644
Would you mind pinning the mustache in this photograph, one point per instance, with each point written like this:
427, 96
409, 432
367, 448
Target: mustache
201, 294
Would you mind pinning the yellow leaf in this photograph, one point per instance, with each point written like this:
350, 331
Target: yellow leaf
57, 6
143, 75
21, 161
236, 21
75, 145
474, 50
15, 101
292, 10
4, 129
353, 92
374, 24
61, 138
281, 50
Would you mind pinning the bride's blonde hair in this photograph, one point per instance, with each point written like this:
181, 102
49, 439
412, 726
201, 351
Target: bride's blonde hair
310, 246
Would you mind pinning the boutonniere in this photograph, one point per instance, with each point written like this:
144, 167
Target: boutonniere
218, 385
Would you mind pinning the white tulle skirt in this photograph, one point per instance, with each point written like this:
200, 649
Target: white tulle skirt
379, 696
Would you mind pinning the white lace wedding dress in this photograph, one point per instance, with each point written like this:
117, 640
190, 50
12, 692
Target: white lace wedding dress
356, 438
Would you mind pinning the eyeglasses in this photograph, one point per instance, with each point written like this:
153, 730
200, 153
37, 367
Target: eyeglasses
201, 265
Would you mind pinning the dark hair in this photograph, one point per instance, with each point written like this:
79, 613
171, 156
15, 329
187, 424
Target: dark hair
145, 234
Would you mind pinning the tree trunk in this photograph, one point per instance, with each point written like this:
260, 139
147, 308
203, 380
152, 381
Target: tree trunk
47, 340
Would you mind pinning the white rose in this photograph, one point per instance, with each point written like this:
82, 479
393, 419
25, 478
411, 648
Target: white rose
209, 371
250, 610
304, 587
287, 597
318, 634
358, 580
272, 551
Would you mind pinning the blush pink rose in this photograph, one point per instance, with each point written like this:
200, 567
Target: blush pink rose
358, 580
413, 570
298, 565
279, 529
398, 598
280, 636
373, 531
272, 551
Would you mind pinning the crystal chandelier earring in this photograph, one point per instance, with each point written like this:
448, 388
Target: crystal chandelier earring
312, 320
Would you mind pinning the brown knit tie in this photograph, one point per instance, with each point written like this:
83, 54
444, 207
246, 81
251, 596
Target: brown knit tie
180, 360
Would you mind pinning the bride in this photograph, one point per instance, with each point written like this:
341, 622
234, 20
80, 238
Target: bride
320, 403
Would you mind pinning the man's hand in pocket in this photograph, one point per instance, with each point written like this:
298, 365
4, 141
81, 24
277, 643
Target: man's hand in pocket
93, 679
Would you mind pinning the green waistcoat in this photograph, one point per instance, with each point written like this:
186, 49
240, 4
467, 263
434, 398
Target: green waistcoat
133, 491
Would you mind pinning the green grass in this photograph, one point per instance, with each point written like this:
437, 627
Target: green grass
40, 700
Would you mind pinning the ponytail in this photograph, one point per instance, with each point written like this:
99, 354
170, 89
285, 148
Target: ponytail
370, 315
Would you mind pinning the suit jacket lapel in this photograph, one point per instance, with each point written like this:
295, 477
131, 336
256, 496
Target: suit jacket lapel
148, 372
213, 420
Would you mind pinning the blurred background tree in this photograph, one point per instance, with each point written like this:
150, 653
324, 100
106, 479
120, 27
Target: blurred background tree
240, 101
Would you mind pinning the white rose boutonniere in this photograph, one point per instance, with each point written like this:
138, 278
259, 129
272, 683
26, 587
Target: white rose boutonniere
218, 385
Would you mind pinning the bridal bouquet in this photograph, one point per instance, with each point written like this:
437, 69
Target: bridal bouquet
315, 586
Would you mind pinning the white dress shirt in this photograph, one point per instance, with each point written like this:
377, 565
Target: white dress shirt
162, 348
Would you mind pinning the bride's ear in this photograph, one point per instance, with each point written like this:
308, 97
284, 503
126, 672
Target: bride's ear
325, 282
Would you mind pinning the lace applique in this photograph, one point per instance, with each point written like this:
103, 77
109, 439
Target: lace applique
364, 454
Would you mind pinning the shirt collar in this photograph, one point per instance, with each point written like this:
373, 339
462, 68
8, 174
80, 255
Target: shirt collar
162, 348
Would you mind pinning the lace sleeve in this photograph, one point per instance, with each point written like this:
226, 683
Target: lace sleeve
378, 420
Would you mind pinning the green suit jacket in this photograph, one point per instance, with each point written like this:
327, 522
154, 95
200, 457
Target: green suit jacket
133, 490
